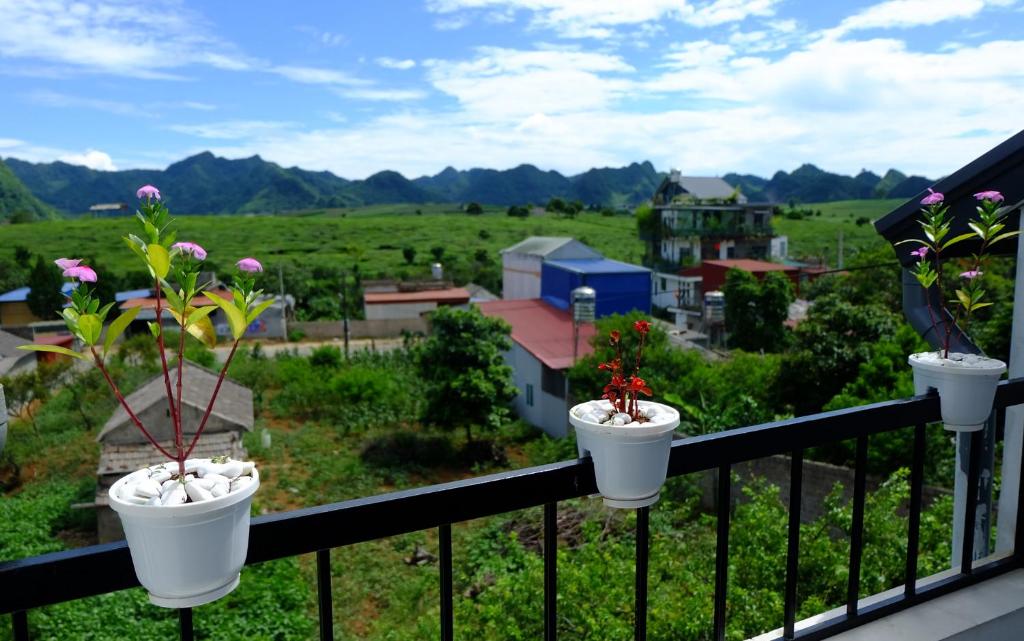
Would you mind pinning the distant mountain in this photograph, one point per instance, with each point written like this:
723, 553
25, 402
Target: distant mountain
16, 201
809, 184
207, 184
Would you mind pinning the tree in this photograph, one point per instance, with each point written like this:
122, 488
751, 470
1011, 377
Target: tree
45, 300
437, 252
409, 254
518, 211
474, 209
470, 384
755, 311
556, 205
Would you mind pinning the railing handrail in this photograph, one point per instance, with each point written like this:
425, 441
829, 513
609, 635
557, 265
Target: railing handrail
36, 581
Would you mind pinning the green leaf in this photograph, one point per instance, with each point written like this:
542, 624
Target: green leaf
1009, 234
90, 327
106, 310
953, 241
159, 259
118, 326
964, 298
916, 240
55, 349
196, 314
154, 329
255, 312
172, 297
236, 319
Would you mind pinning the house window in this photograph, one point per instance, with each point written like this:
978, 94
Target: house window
529, 395
552, 382
758, 220
664, 285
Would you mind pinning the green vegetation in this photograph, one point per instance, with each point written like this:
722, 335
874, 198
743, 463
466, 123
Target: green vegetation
17, 204
817, 237
756, 310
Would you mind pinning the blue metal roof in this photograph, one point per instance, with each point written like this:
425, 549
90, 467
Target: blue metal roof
597, 266
121, 297
20, 295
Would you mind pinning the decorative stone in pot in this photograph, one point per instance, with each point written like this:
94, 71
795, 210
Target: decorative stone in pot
966, 384
630, 457
188, 540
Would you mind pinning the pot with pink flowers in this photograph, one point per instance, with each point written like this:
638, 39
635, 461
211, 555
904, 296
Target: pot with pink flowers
186, 520
966, 383
628, 439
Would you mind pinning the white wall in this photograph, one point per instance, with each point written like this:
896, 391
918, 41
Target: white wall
520, 276
665, 287
548, 412
398, 310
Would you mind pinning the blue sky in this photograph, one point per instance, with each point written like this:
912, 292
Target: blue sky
705, 86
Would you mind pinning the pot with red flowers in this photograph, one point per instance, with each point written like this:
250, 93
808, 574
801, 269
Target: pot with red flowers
186, 519
629, 439
966, 383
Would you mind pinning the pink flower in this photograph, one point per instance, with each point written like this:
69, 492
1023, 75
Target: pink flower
994, 196
83, 273
250, 265
67, 263
920, 252
147, 192
933, 198
974, 273
190, 248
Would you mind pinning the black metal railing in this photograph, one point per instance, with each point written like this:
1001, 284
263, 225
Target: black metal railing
52, 578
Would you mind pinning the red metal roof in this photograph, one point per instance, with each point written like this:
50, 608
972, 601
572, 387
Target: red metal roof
54, 339
198, 301
452, 296
543, 330
749, 265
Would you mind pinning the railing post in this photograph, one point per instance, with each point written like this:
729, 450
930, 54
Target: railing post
325, 602
550, 571
444, 535
185, 629
796, 477
857, 526
971, 507
722, 548
914, 527
643, 523
19, 625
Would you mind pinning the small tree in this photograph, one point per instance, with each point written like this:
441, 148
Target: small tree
45, 300
474, 209
556, 205
518, 211
755, 312
437, 252
409, 254
470, 385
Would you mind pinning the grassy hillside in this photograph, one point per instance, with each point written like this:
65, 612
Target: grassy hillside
16, 201
373, 237
818, 236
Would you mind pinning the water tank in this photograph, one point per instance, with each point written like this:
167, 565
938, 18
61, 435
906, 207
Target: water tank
714, 307
437, 271
584, 302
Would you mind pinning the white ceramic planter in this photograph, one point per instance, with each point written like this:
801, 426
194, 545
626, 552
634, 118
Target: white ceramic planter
966, 384
630, 463
189, 554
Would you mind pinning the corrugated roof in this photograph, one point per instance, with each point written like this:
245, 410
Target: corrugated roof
147, 302
538, 245
234, 402
451, 296
597, 266
20, 295
749, 265
704, 186
121, 297
121, 458
542, 330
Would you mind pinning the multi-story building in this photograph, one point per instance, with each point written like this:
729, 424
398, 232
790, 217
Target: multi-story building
705, 218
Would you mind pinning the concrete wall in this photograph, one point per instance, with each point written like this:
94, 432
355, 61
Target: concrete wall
548, 412
317, 330
520, 276
396, 311
668, 295
17, 313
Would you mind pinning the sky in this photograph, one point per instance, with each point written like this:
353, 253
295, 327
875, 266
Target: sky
354, 87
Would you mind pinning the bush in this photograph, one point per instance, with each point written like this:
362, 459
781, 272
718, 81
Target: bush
296, 335
326, 356
403, 450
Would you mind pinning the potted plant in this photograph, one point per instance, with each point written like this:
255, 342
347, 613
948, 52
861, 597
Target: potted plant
628, 439
966, 383
187, 520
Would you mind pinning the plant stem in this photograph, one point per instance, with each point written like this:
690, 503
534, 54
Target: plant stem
124, 404
167, 385
213, 398
179, 433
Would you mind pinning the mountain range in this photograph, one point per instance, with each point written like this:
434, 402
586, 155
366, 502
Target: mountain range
207, 184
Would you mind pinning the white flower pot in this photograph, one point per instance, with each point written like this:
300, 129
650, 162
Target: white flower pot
966, 384
189, 554
630, 463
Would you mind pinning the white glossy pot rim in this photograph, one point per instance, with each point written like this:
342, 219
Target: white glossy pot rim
183, 509
605, 428
986, 367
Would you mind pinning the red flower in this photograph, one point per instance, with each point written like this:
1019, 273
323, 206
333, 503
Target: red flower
639, 385
615, 336
642, 326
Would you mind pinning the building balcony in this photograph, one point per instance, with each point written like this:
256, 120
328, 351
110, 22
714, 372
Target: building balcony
36, 582
711, 231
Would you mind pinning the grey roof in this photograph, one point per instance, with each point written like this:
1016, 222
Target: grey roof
704, 186
121, 458
546, 245
9, 344
234, 402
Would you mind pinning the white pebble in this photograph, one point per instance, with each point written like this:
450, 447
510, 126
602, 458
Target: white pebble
127, 490
579, 411
153, 501
622, 416
160, 476
240, 483
217, 478
168, 484
206, 484
175, 496
197, 493
148, 488
633, 424
137, 500
219, 490
248, 467
618, 421
137, 476
651, 411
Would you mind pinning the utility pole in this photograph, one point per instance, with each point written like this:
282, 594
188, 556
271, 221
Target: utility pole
839, 260
344, 309
284, 303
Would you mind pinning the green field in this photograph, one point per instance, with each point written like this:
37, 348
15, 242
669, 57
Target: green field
817, 237
373, 237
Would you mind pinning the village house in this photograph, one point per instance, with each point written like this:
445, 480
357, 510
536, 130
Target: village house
123, 448
14, 310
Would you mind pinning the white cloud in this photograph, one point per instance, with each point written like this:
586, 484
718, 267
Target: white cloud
600, 18
232, 129
111, 36
198, 106
902, 14
317, 75
6, 143
383, 95
55, 99
395, 63
93, 159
